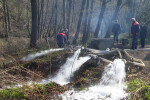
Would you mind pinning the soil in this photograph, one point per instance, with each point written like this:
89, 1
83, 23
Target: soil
22, 71
143, 73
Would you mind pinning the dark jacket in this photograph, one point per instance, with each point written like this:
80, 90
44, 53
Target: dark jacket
135, 28
67, 35
143, 31
116, 28
61, 38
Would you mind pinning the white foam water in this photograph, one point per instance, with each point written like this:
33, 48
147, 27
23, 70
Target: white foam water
33, 56
67, 70
111, 86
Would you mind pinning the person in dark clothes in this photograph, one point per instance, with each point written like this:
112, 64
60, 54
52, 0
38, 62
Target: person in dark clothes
143, 33
61, 39
116, 30
135, 29
67, 36
67, 33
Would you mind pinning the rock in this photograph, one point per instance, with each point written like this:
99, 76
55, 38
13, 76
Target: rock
101, 44
125, 42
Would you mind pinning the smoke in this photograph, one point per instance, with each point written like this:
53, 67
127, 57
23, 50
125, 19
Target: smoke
104, 24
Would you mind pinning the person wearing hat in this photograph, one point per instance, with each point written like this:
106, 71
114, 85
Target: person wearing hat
116, 30
143, 32
135, 29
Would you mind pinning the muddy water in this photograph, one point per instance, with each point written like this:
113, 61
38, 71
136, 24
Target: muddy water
111, 86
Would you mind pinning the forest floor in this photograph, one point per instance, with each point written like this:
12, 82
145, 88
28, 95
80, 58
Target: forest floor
89, 73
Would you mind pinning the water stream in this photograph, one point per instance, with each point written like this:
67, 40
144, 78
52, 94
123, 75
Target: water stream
111, 86
67, 70
33, 56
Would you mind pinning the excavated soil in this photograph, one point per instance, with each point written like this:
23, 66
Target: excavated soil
143, 73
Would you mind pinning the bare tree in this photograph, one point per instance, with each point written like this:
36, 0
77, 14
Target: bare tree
85, 23
114, 17
102, 11
79, 22
34, 23
55, 24
89, 21
64, 12
69, 14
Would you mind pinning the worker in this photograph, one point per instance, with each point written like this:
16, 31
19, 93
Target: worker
135, 29
67, 33
116, 30
143, 33
61, 39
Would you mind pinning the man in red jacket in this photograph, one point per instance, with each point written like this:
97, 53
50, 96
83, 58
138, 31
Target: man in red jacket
135, 29
61, 39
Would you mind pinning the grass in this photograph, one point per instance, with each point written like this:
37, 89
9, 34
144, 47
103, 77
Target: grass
36, 91
139, 90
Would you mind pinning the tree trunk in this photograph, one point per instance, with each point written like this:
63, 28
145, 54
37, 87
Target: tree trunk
5, 18
50, 21
79, 22
34, 23
28, 19
85, 23
100, 18
69, 14
64, 13
41, 17
55, 24
89, 21
114, 17
8, 19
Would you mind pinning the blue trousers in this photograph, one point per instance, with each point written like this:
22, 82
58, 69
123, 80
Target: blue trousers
142, 42
116, 37
134, 41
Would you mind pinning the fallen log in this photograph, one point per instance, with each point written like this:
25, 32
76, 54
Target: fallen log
100, 52
134, 61
105, 60
120, 56
100, 58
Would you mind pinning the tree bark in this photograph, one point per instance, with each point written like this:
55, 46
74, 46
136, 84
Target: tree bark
114, 17
69, 14
85, 23
55, 24
64, 12
79, 22
34, 23
89, 21
5, 18
102, 11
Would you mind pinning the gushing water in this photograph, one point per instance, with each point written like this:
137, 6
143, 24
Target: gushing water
67, 70
111, 86
33, 56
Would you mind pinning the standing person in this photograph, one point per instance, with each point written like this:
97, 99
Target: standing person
143, 33
135, 29
67, 33
61, 39
116, 30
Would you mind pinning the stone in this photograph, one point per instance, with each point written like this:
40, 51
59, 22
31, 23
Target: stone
101, 44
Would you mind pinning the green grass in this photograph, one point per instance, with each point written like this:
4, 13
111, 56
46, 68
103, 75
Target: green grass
34, 92
139, 90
